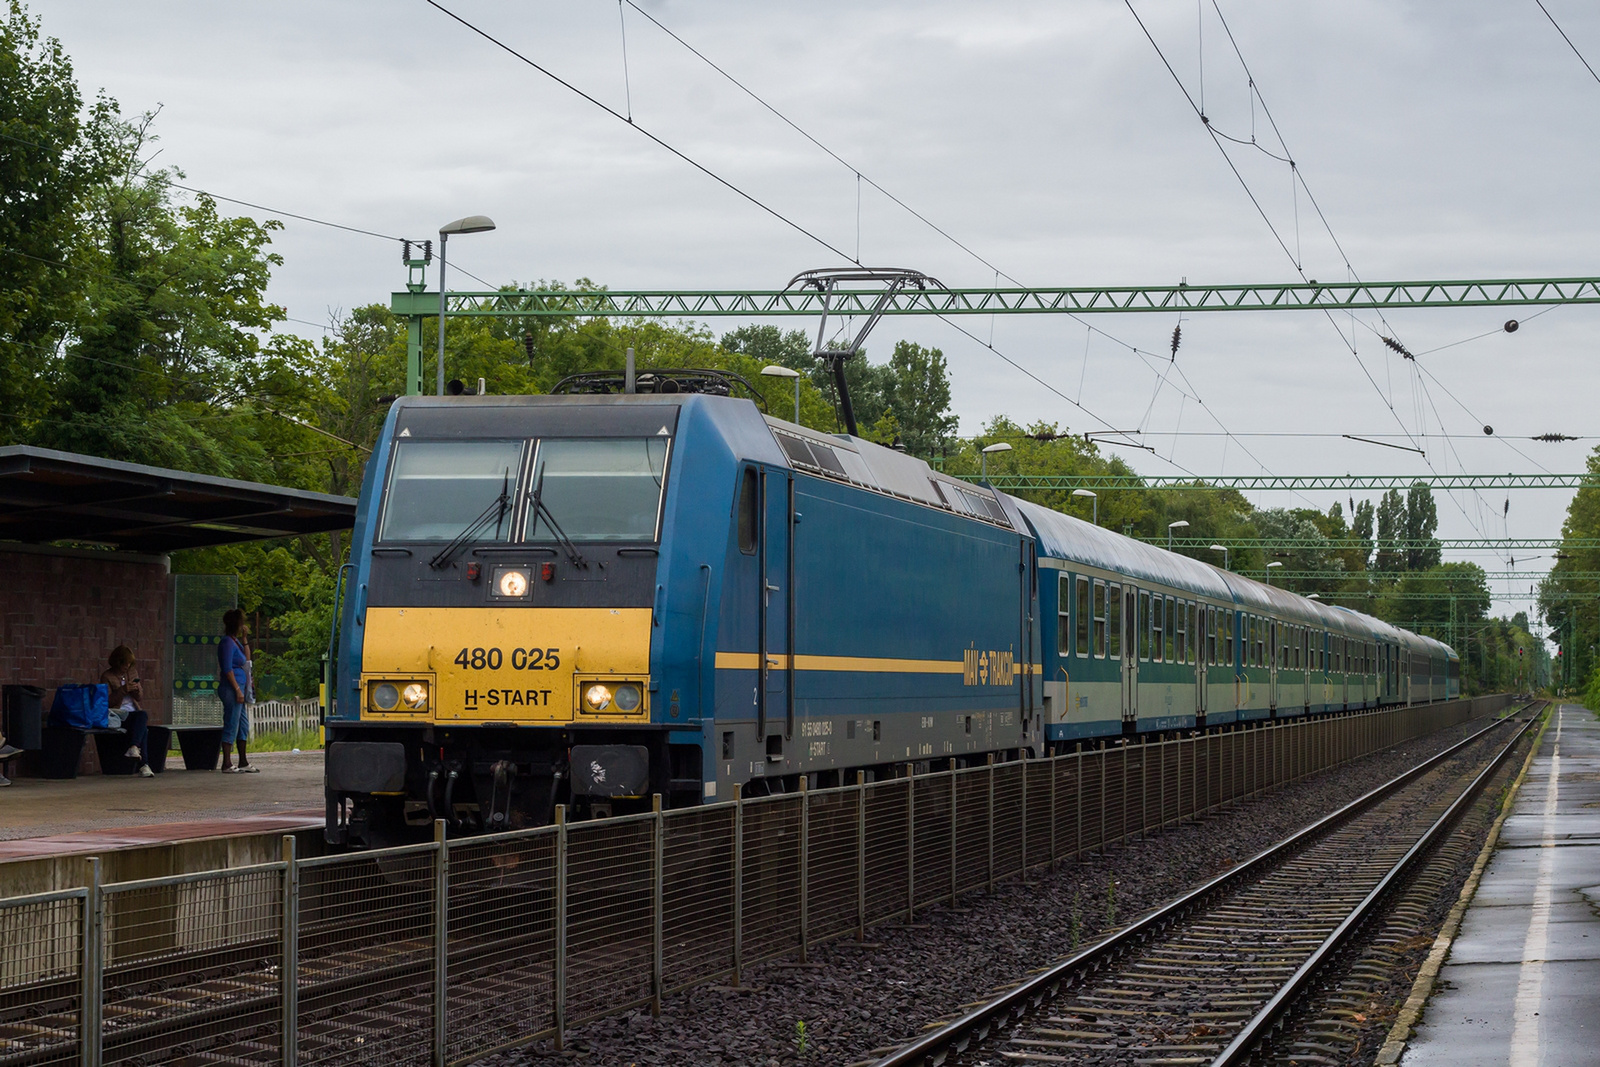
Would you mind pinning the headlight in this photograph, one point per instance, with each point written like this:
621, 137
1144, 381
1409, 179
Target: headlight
628, 697
385, 696
415, 695
512, 583
597, 697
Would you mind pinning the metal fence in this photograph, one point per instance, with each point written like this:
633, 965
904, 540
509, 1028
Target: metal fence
443, 952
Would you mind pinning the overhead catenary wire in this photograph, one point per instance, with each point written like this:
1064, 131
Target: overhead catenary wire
1567, 39
659, 142
861, 177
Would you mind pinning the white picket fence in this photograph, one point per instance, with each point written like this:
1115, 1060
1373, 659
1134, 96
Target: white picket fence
285, 716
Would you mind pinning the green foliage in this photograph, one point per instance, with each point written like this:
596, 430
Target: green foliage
1571, 606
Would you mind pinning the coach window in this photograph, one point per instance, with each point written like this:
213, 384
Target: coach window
1171, 632
1099, 619
1114, 620
1158, 625
1261, 641
1083, 616
1196, 616
1144, 625
1208, 615
1181, 638
1064, 615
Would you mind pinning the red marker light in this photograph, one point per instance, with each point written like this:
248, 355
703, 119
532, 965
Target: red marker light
473, 571
547, 571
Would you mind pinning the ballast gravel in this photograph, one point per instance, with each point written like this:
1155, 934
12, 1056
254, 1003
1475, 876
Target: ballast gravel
853, 1000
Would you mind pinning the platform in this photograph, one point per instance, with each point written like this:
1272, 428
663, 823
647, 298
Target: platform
175, 823
1521, 985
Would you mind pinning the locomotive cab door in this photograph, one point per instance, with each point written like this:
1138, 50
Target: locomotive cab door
775, 690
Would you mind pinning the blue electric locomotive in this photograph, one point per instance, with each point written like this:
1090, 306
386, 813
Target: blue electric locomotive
588, 599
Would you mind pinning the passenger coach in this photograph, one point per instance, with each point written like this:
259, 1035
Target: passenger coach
588, 599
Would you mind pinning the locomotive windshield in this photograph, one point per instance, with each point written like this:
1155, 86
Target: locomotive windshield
599, 489
436, 487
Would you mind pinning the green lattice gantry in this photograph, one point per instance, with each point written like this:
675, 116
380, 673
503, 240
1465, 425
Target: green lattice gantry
1078, 300
1012, 483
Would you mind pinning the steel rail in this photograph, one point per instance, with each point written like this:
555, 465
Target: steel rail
1245, 1041
935, 1047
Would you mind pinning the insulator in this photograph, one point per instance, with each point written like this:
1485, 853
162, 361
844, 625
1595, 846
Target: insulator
527, 346
1398, 347
1511, 325
1177, 335
1489, 430
1552, 437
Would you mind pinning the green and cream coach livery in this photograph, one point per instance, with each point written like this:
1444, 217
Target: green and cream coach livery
589, 599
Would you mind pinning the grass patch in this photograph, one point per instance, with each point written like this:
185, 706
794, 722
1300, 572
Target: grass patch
304, 740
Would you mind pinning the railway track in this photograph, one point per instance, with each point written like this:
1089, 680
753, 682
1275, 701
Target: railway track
1210, 977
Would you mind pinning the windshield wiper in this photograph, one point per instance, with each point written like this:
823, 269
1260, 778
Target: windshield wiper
495, 513
539, 507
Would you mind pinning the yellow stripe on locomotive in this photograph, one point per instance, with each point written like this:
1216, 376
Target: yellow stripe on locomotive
524, 666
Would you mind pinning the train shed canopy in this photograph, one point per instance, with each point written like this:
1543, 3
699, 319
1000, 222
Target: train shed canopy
48, 496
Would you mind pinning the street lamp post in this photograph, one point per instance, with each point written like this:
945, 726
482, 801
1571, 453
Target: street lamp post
470, 224
775, 371
1224, 550
1180, 524
984, 459
1094, 496
1274, 563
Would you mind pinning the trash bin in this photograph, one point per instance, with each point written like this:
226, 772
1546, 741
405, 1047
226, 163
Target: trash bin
24, 716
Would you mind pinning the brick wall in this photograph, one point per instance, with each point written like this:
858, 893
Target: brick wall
62, 611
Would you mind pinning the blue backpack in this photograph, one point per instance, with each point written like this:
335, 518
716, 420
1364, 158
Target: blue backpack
81, 707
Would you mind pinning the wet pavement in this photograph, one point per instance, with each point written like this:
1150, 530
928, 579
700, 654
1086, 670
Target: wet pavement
41, 816
1521, 986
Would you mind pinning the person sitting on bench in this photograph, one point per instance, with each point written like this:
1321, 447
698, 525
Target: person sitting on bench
7, 753
123, 709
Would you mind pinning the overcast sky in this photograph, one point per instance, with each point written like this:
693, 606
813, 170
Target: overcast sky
1440, 140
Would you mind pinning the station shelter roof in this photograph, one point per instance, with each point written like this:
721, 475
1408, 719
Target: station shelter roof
48, 496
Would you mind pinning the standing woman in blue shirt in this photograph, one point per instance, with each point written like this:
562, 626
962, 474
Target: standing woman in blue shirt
233, 662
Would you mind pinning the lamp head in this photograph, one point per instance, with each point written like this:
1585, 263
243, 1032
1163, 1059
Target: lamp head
1085, 492
1219, 548
775, 371
1177, 525
1275, 563
1000, 447
470, 224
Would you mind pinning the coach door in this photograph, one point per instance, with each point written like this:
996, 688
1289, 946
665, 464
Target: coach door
1272, 665
775, 692
1202, 642
1130, 653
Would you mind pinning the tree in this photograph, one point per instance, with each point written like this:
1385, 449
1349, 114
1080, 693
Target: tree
54, 155
1361, 523
1390, 559
919, 397
1571, 605
1422, 522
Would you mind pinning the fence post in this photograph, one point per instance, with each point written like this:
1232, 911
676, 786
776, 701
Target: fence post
861, 855
658, 877
289, 970
1144, 786
91, 967
805, 866
911, 841
738, 884
990, 762
1054, 766
952, 832
561, 929
441, 942
1024, 871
